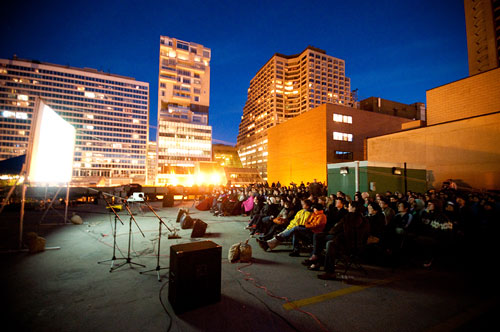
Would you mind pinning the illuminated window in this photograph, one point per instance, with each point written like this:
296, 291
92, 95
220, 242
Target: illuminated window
342, 136
342, 118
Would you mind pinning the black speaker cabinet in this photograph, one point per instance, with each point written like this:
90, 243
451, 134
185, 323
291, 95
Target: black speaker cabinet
195, 275
168, 200
199, 228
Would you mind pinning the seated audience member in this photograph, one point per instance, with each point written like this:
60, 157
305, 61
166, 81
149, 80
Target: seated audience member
402, 221
299, 220
349, 237
376, 220
270, 210
258, 204
399, 227
247, 205
205, 204
218, 201
393, 202
279, 223
314, 225
231, 205
435, 231
387, 210
335, 215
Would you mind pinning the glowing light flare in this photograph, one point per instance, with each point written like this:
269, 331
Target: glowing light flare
52, 149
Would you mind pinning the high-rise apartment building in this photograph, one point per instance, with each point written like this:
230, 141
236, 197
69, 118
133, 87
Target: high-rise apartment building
287, 86
482, 19
152, 163
109, 112
184, 136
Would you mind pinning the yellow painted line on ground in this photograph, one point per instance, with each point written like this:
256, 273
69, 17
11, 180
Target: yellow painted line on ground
328, 296
462, 318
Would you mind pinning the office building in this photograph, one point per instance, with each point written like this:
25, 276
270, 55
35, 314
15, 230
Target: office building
285, 87
184, 136
110, 113
152, 163
329, 134
482, 20
226, 155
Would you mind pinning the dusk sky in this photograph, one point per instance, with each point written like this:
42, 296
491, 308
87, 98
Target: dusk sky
393, 49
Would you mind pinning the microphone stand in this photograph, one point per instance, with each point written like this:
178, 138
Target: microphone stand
117, 217
172, 236
128, 260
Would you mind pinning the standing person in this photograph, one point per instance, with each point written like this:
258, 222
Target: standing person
315, 188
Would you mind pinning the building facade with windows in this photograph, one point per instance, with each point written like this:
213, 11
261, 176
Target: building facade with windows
226, 155
415, 111
285, 87
110, 113
184, 136
482, 20
152, 162
300, 149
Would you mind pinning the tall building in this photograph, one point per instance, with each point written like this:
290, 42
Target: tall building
184, 136
287, 86
152, 163
109, 112
482, 20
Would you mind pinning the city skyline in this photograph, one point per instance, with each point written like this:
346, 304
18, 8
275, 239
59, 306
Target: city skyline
422, 47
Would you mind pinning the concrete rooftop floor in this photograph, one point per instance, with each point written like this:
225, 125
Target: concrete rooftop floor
67, 290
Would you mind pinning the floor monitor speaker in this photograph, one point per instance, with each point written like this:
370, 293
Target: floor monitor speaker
199, 228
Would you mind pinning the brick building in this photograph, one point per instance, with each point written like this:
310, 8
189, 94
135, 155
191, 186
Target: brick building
415, 111
461, 139
300, 148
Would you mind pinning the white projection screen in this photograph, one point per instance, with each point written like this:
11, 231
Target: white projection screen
52, 147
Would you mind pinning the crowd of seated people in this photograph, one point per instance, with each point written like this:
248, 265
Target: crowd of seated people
428, 226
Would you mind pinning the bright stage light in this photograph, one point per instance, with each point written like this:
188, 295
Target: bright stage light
53, 144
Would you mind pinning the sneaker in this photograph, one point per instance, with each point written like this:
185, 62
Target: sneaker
294, 253
308, 262
327, 276
262, 244
314, 267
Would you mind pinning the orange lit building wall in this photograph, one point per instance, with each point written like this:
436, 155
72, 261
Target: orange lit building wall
297, 149
300, 149
483, 34
465, 150
471, 96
